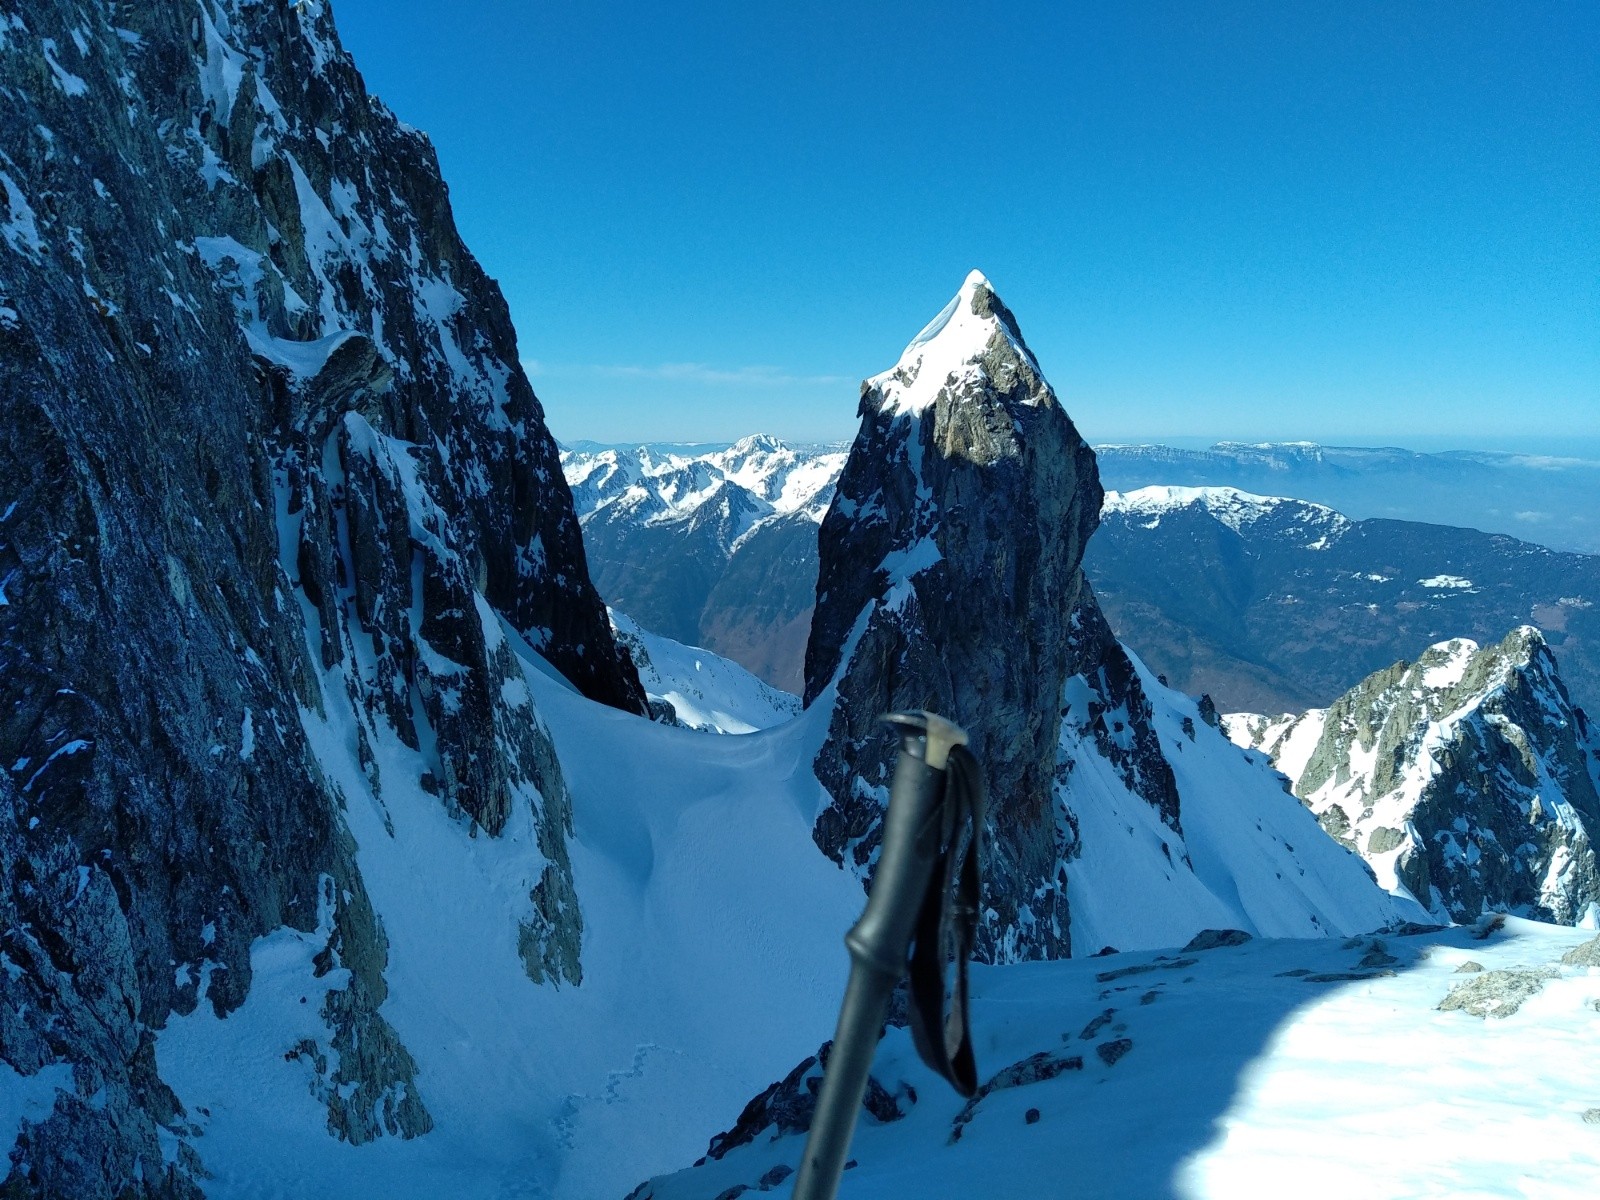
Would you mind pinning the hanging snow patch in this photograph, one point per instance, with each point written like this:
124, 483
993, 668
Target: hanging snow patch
948, 351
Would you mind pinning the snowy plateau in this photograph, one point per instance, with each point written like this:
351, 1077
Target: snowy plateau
350, 846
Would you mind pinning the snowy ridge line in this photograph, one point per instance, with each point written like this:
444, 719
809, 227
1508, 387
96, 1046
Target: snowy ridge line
1231, 506
1466, 779
759, 475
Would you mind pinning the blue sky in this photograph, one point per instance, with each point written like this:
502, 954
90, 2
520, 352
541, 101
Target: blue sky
1353, 222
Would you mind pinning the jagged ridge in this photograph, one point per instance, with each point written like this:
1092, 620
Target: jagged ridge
950, 580
1467, 778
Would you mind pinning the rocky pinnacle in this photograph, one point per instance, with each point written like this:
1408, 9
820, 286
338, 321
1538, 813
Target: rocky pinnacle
949, 574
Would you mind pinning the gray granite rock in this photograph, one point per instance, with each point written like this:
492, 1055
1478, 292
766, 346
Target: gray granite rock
949, 579
261, 415
1586, 954
1496, 993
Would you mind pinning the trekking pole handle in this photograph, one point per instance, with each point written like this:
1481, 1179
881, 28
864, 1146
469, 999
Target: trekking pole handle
880, 942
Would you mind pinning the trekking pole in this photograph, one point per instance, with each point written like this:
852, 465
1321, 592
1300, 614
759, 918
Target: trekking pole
923, 891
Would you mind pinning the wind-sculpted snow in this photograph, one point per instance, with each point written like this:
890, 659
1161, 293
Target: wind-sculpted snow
267, 459
1468, 778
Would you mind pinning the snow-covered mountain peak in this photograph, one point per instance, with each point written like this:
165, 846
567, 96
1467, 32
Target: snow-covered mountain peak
1467, 778
953, 349
1234, 508
756, 443
665, 487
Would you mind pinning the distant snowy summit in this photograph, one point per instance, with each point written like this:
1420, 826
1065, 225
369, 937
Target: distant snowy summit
713, 547
758, 476
1468, 778
1549, 500
1239, 511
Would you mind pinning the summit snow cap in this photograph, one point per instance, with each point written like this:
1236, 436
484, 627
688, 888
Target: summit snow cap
951, 349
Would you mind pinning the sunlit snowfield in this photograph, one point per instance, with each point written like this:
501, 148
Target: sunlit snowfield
1242, 1074
713, 965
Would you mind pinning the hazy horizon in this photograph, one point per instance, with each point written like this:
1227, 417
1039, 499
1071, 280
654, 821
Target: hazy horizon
1586, 449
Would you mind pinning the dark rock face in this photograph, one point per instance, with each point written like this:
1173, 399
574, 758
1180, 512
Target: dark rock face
1114, 713
1036, 1068
949, 577
1469, 775
260, 417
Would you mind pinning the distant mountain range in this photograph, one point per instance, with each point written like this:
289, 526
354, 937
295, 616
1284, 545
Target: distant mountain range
1274, 605
1550, 500
1268, 604
1539, 498
713, 547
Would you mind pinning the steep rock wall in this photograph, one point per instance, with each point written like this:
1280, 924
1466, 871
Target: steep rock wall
260, 415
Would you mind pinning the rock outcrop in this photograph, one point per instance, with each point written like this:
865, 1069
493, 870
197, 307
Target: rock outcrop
265, 449
1468, 778
949, 575
950, 580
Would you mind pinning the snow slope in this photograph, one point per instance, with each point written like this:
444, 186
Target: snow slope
1315, 1069
712, 959
1248, 855
706, 692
